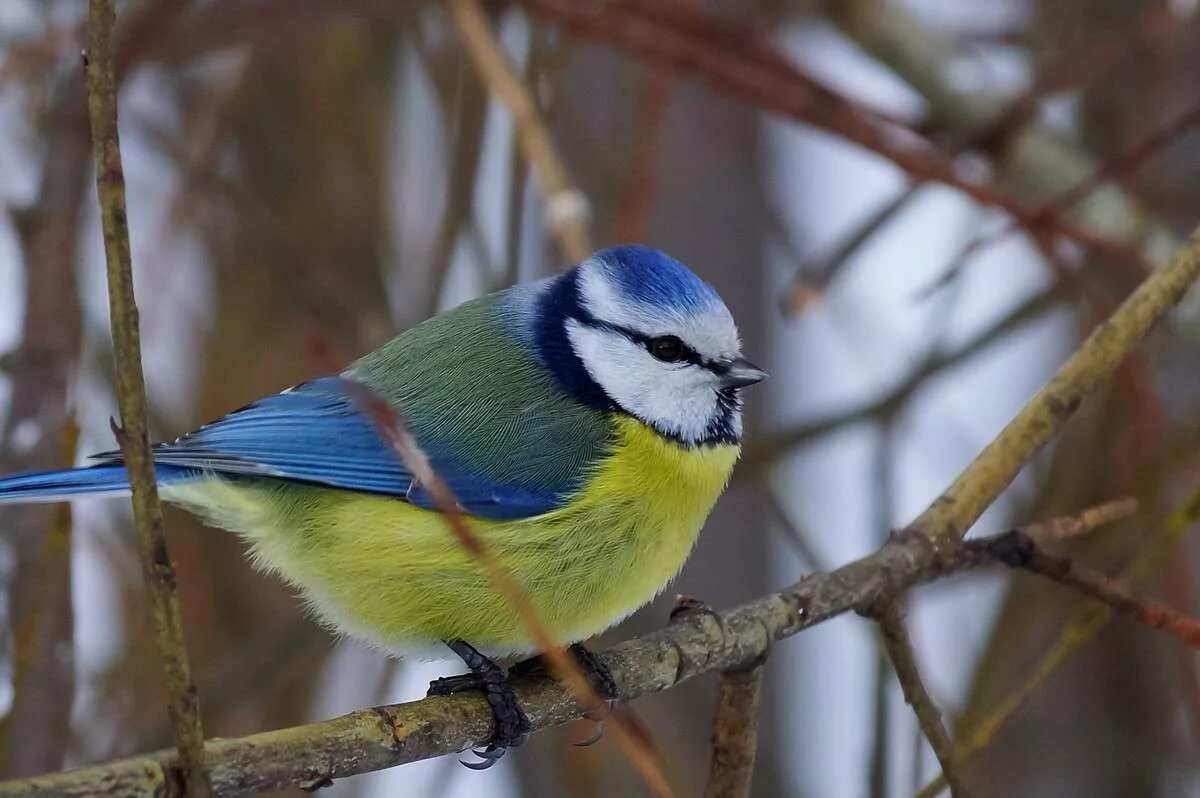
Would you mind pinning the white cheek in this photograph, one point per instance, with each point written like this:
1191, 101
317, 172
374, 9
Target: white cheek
677, 398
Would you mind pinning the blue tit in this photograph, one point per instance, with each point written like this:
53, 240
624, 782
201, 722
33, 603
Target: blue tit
586, 423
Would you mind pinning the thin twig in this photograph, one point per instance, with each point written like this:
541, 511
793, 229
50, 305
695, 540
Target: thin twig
735, 733
1118, 166
1091, 366
1116, 593
1073, 526
561, 663
567, 211
1088, 620
759, 453
899, 650
742, 63
133, 436
811, 280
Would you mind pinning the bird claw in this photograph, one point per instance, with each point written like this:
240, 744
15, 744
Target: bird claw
592, 738
511, 725
689, 606
489, 756
597, 673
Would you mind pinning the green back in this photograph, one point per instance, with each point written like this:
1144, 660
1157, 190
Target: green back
467, 384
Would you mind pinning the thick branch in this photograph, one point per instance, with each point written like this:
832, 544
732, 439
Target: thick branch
372, 739
159, 575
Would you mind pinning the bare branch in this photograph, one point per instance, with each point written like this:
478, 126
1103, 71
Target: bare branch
735, 733
1115, 593
741, 63
1072, 526
567, 210
159, 575
1092, 364
900, 652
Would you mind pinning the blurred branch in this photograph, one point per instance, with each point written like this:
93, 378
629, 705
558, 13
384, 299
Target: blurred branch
1113, 592
1088, 620
133, 436
740, 63
735, 732
1072, 526
900, 651
1113, 169
759, 453
922, 57
812, 279
567, 211
637, 193
1092, 364
1075, 67
43, 662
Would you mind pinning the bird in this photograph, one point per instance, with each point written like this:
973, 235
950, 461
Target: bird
585, 423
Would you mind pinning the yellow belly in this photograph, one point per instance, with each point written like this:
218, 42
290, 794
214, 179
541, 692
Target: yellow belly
390, 573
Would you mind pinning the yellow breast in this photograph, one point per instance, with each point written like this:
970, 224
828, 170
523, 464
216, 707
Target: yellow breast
392, 574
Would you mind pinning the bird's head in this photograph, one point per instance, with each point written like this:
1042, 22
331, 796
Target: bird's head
632, 329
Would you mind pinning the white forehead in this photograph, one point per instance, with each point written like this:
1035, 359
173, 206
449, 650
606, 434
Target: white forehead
707, 327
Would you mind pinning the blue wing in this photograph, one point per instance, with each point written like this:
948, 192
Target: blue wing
316, 433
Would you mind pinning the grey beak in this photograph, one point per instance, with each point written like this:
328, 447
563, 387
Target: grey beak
741, 372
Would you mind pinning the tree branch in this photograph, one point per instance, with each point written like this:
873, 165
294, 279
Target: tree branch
740, 63
567, 211
735, 733
1115, 593
372, 739
1093, 363
133, 436
900, 651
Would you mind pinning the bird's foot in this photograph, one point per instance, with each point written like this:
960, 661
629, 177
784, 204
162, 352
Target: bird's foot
487, 677
690, 606
597, 673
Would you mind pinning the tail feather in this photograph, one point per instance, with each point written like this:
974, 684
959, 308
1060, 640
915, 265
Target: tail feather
55, 486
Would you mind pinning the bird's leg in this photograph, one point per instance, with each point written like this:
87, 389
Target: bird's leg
597, 673
490, 679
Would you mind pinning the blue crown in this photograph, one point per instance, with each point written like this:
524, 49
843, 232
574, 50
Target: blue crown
643, 274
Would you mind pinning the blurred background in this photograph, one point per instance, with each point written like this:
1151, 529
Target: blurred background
915, 208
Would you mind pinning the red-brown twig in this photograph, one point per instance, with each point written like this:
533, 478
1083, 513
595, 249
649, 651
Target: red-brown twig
1072, 526
1052, 212
740, 63
1021, 551
562, 664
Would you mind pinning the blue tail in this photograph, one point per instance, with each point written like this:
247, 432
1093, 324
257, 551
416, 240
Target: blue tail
54, 486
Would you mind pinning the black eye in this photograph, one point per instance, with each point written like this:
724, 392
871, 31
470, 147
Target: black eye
667, 347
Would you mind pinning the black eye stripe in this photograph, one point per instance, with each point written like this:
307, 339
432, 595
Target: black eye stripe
688, 355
